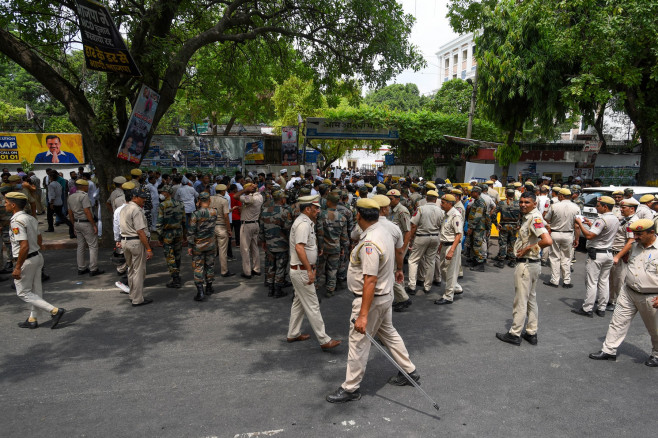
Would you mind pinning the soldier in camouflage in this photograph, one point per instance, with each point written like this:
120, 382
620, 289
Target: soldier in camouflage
202, 245
170, 225
294, 192
510, 214
274, 227
334, 241
477, 219
341, 276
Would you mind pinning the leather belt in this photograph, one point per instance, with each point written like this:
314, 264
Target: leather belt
558, 231
29, 256
615, 252
361, 296
81, 220
302, 267
129, 238
446, 243
426, 235
526, 260
249, 222
599, 251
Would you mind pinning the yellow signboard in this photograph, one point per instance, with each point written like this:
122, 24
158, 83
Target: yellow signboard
41, 148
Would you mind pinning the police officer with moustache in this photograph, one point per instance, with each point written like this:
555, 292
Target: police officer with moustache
202, 246
639, 293
561, 217
599, 242
643, 210
274, 227
621, 246
533, 236
450, 248
425, 226
82, 218
375, 265
400, 216
222, 227
25, 241
170, 226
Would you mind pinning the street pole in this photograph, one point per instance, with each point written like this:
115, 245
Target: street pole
469, 129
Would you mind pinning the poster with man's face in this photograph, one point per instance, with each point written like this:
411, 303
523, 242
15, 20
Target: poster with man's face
41, 148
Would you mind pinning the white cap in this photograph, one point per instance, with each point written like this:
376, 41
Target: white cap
284, 171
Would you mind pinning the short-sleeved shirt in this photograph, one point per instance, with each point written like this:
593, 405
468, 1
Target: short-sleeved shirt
562, 215
642, 273
23, 227
116, 198
131, 220
401, 218
251, 206
644, 212
532, 227
605, 227
303, 231
219, 203
55, 193
452, 226
77, 203
427, 219
623, 233
374, 254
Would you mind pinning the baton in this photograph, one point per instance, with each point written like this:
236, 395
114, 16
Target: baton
404, 373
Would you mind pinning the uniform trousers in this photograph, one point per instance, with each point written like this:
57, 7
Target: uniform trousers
437, 267
598, 278
560, 257
276, 265
617, 279
328, 269
172, 244
135, 254
400, 295
221, 236
424, 253
29, 289
87, 239
306, 304
249, 248
203, 263
450, 269
630, 303
380, 323
525, 298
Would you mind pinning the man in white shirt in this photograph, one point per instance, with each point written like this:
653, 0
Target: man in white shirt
155, 200
290, 183
496, 182
187, 195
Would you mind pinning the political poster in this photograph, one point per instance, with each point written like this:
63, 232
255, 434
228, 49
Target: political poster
103, 46
134, 140
254, 152
41, 148
289, 146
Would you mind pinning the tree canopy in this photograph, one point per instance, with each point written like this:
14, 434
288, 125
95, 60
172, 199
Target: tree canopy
396, 97
454, 97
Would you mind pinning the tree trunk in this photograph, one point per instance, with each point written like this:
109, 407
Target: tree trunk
648, 174
229, 125
598, 126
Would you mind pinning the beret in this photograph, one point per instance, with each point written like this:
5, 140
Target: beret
367, 203
646, 198
119, 180
393, 192
432, 193
449, 198
382, 200
642, 225
381, 186
15, 195
606, 200
136, 172
368, 185
629, 201
476, 189
81, 182
430, 185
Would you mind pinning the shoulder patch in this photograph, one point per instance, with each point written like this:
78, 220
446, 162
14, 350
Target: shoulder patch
15, 230
597, 224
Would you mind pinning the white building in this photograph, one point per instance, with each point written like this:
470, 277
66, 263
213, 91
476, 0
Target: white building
456, 59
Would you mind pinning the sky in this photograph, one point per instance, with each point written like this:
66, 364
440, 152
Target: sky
430, 32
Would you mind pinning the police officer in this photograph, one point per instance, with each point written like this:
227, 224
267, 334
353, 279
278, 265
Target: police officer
202, 246
643, 210
425, 226
5, 218
25, 240
122, 268
86, 230
274, 227
222, 227
335, 242
599, 242
251, 203
477, 220
617, 195
507, 229
303, 258
135, 243
639, 293
533, 236
400, 216
375, 266
116, 198
170, 226
450, 248
561, 217
140, 182
621, 246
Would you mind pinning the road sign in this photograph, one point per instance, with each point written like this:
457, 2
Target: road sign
345, 129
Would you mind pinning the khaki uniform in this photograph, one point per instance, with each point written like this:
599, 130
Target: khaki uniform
451, 227
84, 230
374, 254
400, 216
526, 274
116, 198
306, 299
459, 206
644, 212
637, 294
220, 204
618, 271
427, 219
598, 267
131, 220
493, 193
249, 232
561, 217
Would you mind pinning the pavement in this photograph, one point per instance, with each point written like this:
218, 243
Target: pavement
222, 368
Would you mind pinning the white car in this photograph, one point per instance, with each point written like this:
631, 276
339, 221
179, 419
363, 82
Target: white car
591, 194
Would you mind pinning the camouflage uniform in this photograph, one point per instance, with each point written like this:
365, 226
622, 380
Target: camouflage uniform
274, 227
508, 227
477, 220
169, 225
344, 259
332, 239
201, 238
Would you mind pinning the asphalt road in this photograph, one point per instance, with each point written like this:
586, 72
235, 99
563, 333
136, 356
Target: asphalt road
178, 368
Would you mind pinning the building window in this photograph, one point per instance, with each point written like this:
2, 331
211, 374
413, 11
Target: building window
464, 59
455, 60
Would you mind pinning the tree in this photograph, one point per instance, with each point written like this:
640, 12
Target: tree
396, 97
454, 97
365, 39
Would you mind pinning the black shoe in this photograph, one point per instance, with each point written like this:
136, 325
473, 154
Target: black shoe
401, 380
510, 339
228, 274
342, 396
610, 307
329, 293
603, 356
600, 313
174, 283
459, 277
286, 284
531, 339
436, 283
255, 273
144, 303
248, 277
270, 290
548, 283
442, 301
478, 267
567, 285
581, 312
652, 361
543, 263
411, 291
83, 272
399, 307
279, 292
44, 276
28, 324
96, 272
57, 316
50, 231
209, 289
512, 264
499, 264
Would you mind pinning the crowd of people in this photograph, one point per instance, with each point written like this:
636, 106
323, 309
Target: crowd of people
322, 234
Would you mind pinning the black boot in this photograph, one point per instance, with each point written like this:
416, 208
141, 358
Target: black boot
199, 292
174, 283
278, 291
478, 267
209, 289
270, 291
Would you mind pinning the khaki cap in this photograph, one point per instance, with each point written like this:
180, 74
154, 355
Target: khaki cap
136, 172
456, 191
15, 195
327, 181
220, 187
367, 203
642, 225
128, 185
415, 186
248, 186
629, 201
606, 200
565, 192
449, 198
119, 180
488, 181
432, 193
15, 178
529, 183
381, 186
618, 192
393, 192
382, 200
368, 185
646, 198
315, 200
517, 184
556, 188
81, 182
431, 185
